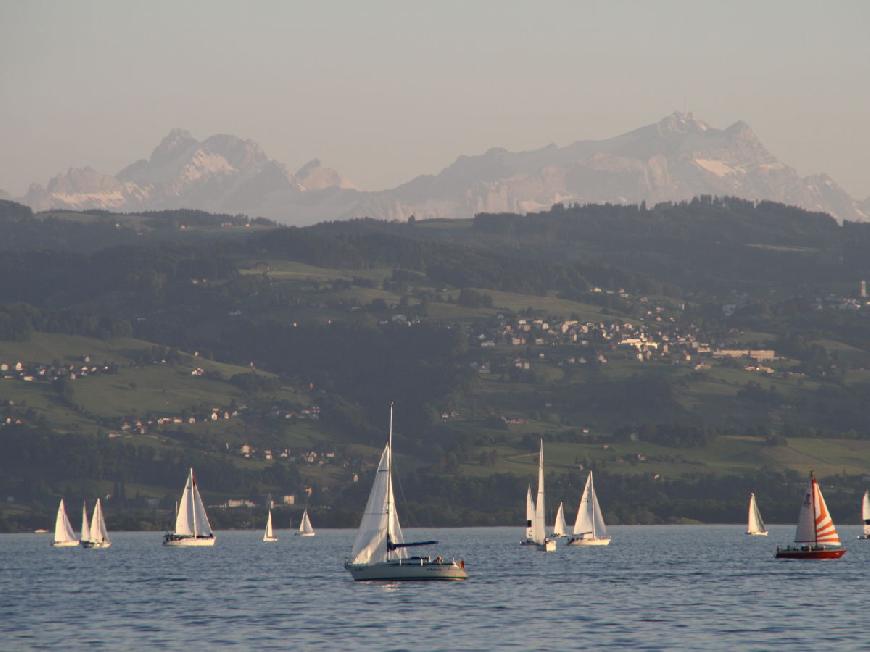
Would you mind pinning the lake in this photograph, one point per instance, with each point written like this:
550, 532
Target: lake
654, 587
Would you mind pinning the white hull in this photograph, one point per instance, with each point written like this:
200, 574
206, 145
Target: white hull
864, 536
91, 544
64, 544
548, 546
190, 542
270, 539
589, 542
415, 570
305, 534
756, 534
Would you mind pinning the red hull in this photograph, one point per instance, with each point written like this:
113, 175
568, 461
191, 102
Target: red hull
810, 554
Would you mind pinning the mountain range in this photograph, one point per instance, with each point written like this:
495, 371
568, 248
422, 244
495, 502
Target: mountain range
674, 159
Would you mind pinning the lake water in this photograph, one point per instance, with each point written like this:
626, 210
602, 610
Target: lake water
654, 587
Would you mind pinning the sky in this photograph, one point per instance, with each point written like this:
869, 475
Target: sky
386, 90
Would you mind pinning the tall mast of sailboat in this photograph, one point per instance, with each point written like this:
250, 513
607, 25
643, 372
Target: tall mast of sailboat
192, 483
390, 482
814, 491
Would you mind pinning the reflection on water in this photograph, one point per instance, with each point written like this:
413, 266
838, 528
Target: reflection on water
699, 587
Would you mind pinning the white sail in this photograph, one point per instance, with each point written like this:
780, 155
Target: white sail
191, 519
539, 529
86, 530
865, 513
754, 523
269, 534
203, 527
590, 520
530, 514
560, 529
305, 525
63, 532
814, 523
99, 534
370, 545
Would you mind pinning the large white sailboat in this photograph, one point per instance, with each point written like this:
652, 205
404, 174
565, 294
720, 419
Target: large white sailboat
379, 551
192, 528
816, 536
85, 535
754, 525
539, 525
530, 518
589, 528
64, 537
269, 536
99, 535
865, 515
560, 529
305, 528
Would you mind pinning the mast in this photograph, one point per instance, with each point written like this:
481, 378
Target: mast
192, 499
390, 483
813, 500
592, 501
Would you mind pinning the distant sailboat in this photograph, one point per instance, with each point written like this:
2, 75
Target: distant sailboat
99, 534
85, 536
755, 526
816, 536
560, 529
589, 528
379, 551
192, 528
539, 526
269, 537
530, 518
305, 529
865, 515
64, 537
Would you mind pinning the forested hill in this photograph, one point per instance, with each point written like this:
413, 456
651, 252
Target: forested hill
677, 349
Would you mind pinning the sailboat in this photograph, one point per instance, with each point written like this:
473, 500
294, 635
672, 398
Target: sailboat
530, 518
589, 528
560, 529
816, 536
269, 536
539, 527
380, 551
85, 536
305, 529
865, 515
64, 537
192, 528
99, 534
755, 526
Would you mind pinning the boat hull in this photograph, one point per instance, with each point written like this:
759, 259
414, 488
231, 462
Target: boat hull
864, 536
173, 541
548, 546
270, 539
104, 544
589, 542
408, 571
818, 553
64, 544
756, 534
305, 534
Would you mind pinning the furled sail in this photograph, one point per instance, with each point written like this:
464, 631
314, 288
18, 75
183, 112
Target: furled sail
755, 525
530, 513
99, 534
539, 532
63, 532
814, 523
590, 520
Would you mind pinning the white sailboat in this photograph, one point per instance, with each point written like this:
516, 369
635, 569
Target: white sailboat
865, 515
380, 551
560, 529
755, 526
539, 525
530, 518
99, 534
64, 537
305, 529
269, 536
589, 528
85, 535
816, 535
192, 528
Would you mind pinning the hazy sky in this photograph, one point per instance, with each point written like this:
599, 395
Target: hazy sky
383, 91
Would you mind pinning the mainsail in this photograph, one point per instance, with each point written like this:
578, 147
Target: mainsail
269, 534
63, 532
814, 523
865, 513
560, 529
305, 525
539, 528
192, 520
86, 530
99, 534
590, 520
754, 523
530, 514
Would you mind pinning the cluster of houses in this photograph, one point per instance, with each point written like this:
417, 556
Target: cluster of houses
31, 372
142, 425
297, 457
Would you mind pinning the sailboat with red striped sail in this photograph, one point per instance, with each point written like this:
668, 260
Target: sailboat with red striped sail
816, 536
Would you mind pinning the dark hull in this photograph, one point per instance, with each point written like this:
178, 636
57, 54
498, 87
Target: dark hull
832, 553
